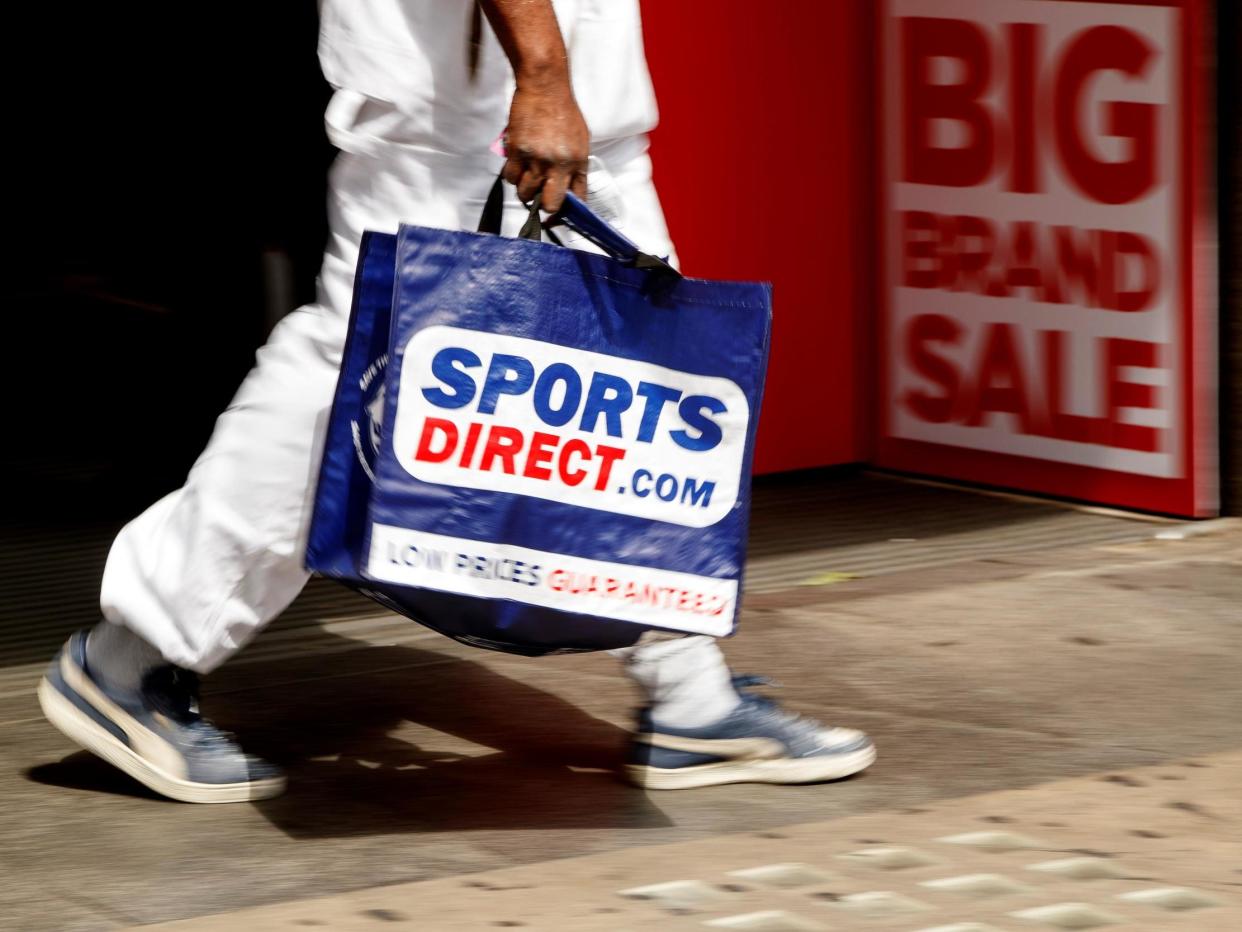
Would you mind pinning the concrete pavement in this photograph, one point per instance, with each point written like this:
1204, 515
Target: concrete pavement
414, 759
1156, 849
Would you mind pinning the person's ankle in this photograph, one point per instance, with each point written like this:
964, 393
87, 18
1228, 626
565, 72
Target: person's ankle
119, 659
697, 713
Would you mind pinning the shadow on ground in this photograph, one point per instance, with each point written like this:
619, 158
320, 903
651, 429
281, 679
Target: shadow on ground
398, 739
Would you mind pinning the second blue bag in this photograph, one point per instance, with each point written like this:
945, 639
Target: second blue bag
538, 449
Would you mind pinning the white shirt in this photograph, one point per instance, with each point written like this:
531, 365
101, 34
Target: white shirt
403, 66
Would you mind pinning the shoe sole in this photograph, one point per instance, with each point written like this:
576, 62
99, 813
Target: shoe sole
81, 730
788, 770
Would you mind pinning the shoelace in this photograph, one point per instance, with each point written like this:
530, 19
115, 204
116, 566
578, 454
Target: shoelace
174, 691
744, 682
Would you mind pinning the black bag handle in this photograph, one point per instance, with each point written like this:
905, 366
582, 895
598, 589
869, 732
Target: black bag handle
578, 217
494, 209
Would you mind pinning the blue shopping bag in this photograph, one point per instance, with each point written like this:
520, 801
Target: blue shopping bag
538, 449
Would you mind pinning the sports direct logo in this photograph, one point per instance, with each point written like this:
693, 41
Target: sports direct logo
508, 414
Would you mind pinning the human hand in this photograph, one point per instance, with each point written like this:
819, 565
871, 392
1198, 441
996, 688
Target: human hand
547, 142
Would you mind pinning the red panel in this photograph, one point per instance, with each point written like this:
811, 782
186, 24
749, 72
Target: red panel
1178, 471
763, 159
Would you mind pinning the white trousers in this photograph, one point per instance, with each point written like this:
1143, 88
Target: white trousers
206, 567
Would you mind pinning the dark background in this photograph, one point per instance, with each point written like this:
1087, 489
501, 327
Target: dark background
167, 169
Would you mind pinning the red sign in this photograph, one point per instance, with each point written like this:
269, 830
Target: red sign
744, 87
1048, 321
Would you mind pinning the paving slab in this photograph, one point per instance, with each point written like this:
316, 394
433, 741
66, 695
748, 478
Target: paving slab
1156, 848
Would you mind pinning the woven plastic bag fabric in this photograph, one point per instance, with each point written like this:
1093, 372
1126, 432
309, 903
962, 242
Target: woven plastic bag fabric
539, 449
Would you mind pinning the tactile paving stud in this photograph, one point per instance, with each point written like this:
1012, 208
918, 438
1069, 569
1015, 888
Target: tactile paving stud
890, 858
1174, 899
880, 904
992, 841
783, 875
980, 886
771, 921
1068, 916
1082, 869
678, 894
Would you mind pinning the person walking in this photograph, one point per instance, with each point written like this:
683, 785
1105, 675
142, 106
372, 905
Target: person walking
422, 88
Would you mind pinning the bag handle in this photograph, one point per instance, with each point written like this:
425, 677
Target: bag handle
576, 215
494, 208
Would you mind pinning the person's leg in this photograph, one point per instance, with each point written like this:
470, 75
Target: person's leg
198, 573
701, 726
204, 568
190, 581
193, 578
685, 680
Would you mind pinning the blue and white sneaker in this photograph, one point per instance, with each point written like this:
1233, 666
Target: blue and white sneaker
758, 742
154, 734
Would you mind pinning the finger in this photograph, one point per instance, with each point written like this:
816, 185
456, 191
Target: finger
532, 180
579, 185
554, 190
512, 171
